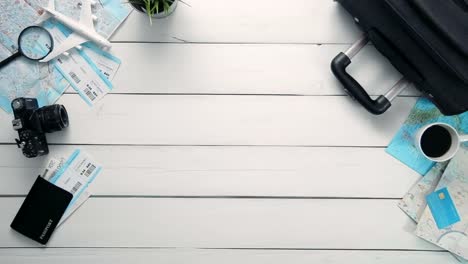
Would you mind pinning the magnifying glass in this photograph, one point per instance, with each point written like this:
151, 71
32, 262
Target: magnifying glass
34, 43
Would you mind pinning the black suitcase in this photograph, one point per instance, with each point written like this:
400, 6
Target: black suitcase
426, 40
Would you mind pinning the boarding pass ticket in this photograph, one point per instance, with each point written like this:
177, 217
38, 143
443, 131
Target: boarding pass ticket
79, 170
107, 63
52, 168
75, 176
84, 196
88, 70
83, 76
54, 165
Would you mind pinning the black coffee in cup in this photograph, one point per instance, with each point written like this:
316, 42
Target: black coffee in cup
436, 141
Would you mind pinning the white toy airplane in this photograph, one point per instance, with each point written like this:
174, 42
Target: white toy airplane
83, 30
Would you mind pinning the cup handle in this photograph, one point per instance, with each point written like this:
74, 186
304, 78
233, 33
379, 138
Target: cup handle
464, 138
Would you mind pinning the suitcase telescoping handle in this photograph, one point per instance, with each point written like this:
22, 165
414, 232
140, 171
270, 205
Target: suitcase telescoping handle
354, 89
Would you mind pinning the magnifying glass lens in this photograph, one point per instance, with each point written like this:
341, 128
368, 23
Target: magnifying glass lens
35, 43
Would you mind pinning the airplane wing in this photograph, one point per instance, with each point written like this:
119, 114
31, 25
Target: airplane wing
86, 16
72, 41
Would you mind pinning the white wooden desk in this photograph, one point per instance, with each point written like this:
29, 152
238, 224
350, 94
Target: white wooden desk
228, 140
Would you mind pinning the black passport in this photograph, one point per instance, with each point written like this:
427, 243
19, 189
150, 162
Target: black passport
41, 211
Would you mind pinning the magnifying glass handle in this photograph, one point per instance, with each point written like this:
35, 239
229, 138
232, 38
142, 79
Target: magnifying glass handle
9, 59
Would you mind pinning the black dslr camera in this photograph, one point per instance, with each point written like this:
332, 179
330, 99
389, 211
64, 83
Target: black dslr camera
33, 122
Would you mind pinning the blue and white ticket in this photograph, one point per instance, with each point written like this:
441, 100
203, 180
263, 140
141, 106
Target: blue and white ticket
75, 176
88, 70
77, 172
84, 196
55, 165
84, 76
107, 63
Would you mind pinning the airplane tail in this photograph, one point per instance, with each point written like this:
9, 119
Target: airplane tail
46, 15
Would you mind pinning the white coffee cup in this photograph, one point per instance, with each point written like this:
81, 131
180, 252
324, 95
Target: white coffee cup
451, 144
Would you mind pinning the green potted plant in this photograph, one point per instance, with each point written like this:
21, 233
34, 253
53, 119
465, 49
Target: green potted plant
155, 8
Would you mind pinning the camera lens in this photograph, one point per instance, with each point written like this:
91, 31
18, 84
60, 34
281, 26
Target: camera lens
53, 118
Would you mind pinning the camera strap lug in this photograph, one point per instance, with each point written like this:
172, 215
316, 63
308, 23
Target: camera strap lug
19, 143
17, 124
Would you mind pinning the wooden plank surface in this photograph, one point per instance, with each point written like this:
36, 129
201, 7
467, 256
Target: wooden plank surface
228, 223
210, 256
228, 140
244, 21
225, 171
224, 120
245, 69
